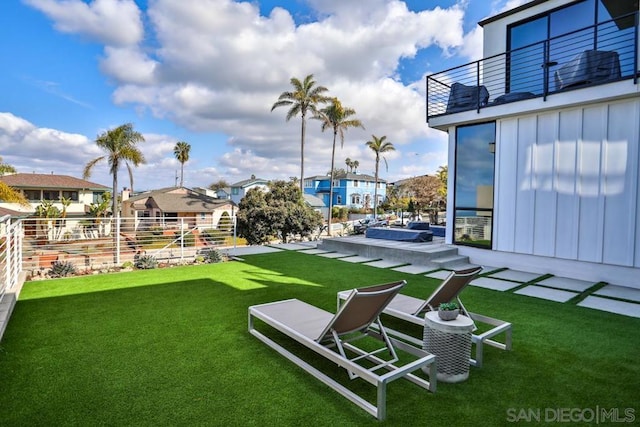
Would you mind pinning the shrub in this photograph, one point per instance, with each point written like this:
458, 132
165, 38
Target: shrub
146, 262
214, 256
62, 269
127, 264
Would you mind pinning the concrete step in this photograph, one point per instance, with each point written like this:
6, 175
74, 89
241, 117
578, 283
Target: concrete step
452, 262
425, 254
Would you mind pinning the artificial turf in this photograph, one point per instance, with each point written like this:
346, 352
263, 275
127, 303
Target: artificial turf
171, 347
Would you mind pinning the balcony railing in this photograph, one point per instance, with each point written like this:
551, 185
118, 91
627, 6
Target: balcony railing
590, 56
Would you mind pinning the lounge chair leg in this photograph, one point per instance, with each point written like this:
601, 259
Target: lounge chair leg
382, 400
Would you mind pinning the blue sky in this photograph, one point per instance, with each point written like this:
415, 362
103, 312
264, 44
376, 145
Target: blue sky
207, 72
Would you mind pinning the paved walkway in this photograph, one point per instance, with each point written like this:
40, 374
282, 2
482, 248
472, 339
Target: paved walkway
594, 295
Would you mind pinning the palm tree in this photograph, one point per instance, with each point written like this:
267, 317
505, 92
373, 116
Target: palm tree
11, 195
336, 117
6, 168
120, 145
305, 98
379, 145
349, 163
181, 151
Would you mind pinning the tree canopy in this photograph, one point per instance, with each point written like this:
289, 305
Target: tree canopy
219, 185
181, 153
278, 213
120, 145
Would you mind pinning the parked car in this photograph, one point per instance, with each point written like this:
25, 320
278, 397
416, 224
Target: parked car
407, 217
363, 224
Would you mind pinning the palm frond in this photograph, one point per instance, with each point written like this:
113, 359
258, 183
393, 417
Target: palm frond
86, 173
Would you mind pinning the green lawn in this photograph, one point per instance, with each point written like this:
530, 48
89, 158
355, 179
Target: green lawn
171, 347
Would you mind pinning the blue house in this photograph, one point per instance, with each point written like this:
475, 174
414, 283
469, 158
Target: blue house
351, 190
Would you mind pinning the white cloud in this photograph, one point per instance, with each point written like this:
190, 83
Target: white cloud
113, 22
218, 66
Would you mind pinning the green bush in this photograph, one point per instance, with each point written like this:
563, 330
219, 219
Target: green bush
62, 269
214, 256
146, 262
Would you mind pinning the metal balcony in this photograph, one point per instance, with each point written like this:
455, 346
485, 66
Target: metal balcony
594, 55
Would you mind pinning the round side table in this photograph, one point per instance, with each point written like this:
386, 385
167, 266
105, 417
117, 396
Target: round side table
450, 341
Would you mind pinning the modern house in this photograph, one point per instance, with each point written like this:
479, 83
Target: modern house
240, 188
544, 134
174, 205
353, 190
40, 187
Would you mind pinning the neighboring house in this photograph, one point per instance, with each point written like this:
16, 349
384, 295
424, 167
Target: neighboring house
38, 187
177, 205
351, 190
224, 193
239, 189
544, 140
316, 204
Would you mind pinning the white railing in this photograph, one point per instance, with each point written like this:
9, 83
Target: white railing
99, 243
473, 228
10, 254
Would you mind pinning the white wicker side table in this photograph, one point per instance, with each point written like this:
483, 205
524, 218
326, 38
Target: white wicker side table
450, 341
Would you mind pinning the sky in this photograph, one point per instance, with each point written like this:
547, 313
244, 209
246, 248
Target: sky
207, 72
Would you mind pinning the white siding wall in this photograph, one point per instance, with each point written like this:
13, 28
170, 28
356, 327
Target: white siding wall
567, 184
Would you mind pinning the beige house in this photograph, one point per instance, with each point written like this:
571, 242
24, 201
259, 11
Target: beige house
176, 206
37, 187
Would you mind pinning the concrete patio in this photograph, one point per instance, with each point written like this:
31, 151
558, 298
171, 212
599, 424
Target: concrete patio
417, 258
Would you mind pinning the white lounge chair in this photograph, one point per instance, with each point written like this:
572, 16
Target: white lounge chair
332, 336
413, 310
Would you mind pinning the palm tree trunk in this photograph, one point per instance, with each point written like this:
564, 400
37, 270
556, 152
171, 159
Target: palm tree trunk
181, 173
302, 132
115, 217
333, 157
114, 198
375, 190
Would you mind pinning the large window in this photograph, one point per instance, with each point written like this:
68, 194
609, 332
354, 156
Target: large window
52, 195
71, 195
475, 152
32, 195
544, 43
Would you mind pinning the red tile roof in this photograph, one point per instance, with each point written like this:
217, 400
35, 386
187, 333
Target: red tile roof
41, 180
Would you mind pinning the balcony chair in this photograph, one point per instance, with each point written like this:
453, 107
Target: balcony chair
590, 66
413, 310
332, 336
464, 98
